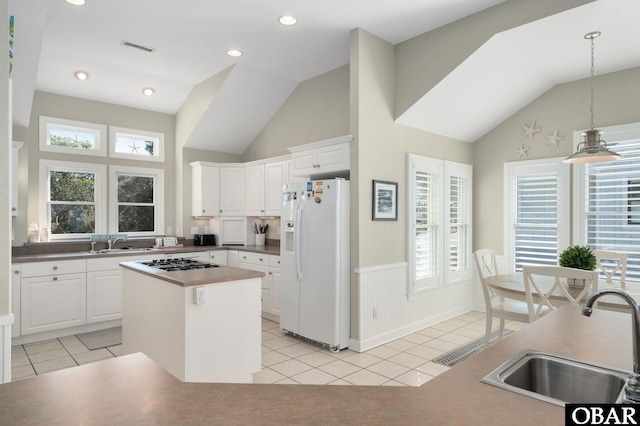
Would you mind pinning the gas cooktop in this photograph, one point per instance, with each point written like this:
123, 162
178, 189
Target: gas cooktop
179, 264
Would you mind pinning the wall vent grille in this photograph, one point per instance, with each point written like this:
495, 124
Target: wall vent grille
139, 47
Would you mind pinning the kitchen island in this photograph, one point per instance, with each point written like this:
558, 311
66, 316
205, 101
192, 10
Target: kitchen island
135, 390
201, 325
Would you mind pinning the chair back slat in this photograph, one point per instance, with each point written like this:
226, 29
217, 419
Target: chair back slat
614, 262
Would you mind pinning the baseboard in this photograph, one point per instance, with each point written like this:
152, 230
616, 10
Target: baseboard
365, 345
64, 332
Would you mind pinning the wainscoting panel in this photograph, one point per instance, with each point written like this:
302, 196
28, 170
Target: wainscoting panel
386, 313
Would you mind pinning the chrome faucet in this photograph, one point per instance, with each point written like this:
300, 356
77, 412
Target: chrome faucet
110, 243
632, 388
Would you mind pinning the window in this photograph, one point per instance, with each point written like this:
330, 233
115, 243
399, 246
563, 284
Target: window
439, 208
136, 144
72, 137
137, 195
536, 212
608, 196
71, 197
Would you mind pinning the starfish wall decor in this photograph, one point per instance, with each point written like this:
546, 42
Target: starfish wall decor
522, 151
554, 139
530, 131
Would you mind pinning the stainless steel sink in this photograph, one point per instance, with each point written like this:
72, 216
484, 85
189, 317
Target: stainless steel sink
559, 380
123, 250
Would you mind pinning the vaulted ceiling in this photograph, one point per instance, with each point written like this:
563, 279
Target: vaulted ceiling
189, 38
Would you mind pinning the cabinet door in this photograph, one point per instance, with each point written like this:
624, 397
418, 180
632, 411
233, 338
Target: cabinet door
219, 257
255, 190
333, 157
205, 187
15, 300
232, 191
304, 162
274, 277
52, 302
15, 147
104, 295
266, 291
274, 175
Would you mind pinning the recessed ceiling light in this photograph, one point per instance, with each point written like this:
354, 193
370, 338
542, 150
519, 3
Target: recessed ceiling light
287, 20
81, 75
234, 52
148, 91
76, 2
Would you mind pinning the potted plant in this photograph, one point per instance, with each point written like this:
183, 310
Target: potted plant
578, 257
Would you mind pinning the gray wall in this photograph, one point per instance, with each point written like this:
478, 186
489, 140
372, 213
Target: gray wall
564, 108
71, 108
317, 109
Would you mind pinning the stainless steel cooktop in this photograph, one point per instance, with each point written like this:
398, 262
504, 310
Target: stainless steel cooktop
178, 264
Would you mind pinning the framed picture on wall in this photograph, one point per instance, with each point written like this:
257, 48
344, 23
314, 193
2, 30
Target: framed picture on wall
385, 200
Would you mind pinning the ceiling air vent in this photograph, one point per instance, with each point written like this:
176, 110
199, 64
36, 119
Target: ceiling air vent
137, 46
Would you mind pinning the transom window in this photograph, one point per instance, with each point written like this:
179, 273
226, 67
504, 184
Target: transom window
136, 144
75, 137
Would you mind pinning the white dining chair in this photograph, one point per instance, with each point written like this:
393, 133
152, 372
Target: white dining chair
550, 287
612, 263
497, 306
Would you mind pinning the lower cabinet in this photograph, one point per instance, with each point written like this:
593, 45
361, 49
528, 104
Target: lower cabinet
53, 301
104, 295
219, 257
270, 265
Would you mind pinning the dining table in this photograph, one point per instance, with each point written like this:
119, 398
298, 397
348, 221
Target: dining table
512, 286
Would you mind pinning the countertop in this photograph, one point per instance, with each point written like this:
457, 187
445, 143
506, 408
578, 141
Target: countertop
271, 249
134, 390
195, 276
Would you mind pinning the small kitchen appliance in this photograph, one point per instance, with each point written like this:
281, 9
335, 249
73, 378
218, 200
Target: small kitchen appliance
204, 240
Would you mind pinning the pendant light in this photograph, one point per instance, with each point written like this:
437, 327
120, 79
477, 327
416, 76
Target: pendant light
592, 149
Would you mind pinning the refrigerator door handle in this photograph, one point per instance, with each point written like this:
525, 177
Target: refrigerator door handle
297, 241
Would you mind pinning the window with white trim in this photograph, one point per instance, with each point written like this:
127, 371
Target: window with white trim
137, 200
72, 137
536, 201
136, 144
607, 197
72, 198
439, 209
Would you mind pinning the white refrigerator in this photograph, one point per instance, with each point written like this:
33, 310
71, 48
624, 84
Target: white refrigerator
314, 256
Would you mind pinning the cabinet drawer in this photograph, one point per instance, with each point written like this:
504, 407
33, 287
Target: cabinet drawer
218, 257
255, 258
39, 269
274, 261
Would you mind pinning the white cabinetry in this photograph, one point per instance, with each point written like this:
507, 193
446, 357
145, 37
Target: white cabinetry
254, 192
15, 147
219, 257
233, 258
216, 190
15, 300
205, 189
232, 191
104, 286
324, 158
52, 295
274, 177
270, 265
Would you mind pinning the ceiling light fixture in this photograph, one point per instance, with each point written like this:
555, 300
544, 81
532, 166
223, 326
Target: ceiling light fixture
81, 75
76, 2
148, 91
234, 53
287, 20
592, 149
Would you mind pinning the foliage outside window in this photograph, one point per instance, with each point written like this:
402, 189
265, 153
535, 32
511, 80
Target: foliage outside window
72, 137
71, 197
136, 144
138, 200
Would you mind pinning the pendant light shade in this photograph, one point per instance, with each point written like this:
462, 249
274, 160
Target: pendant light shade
592, 149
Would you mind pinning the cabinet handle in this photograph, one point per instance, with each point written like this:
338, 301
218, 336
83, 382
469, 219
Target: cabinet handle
270, 273
261, 260
202, 211
13, 209
55, 278
55, 268
16, 272
244, 257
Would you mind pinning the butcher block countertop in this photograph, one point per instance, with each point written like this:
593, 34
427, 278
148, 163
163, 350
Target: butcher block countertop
195, 276
134, 390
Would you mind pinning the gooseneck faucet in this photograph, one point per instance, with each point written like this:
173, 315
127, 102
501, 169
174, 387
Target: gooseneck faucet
632, 388
111, 243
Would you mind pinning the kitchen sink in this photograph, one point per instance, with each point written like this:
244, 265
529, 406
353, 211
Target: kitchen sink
559, 380
123, 250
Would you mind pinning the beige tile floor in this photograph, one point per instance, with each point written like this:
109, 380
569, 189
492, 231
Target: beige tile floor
288, 360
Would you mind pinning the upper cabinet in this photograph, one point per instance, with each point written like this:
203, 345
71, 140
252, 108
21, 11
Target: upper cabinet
217, 190
264, 188
322, 159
